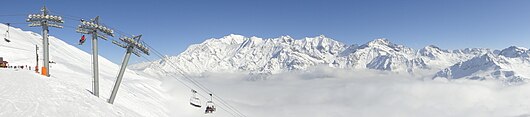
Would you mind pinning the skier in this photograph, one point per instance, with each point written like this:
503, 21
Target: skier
82, 40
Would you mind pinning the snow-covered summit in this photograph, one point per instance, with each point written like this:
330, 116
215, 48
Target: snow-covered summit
386, 46
432, 51
379, 42
514, 51
229, 39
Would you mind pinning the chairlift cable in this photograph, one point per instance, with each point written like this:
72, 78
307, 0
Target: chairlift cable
176, 77
202, 87
182, 82
180, 71
10, 15
66, 26
15, 22
196, 83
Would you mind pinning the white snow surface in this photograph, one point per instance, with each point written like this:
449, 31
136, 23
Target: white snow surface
24, 93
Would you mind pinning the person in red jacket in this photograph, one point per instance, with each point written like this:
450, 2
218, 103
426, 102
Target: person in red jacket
82, 40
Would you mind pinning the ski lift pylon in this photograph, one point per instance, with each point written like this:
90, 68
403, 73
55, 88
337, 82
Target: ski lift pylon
194, 100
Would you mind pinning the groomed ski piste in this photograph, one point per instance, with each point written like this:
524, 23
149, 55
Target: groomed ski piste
71, 82
321, 92
25, 93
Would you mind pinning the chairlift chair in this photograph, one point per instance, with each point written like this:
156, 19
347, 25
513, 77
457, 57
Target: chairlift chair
194, 100
82, 40
6, 38
210, 106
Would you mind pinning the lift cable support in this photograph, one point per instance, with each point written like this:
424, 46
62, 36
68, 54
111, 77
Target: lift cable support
134, 46
45, 20
12, 15
93, 28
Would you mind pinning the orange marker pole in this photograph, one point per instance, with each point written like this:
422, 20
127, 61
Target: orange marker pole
44, 71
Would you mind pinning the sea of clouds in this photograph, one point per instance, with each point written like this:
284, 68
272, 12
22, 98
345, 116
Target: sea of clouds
328, 92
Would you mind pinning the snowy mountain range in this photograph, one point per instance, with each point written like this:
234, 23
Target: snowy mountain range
236, 53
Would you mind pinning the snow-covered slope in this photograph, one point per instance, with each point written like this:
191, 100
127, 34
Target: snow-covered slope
72, 69
25, 93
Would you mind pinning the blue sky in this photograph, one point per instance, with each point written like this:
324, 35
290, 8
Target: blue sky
172, 25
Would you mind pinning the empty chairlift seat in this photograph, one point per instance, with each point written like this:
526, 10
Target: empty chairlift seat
194, 100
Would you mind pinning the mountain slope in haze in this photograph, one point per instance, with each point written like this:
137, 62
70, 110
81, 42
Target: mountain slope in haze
510, 64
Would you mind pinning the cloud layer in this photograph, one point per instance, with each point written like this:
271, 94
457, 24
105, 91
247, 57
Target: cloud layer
326, 92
